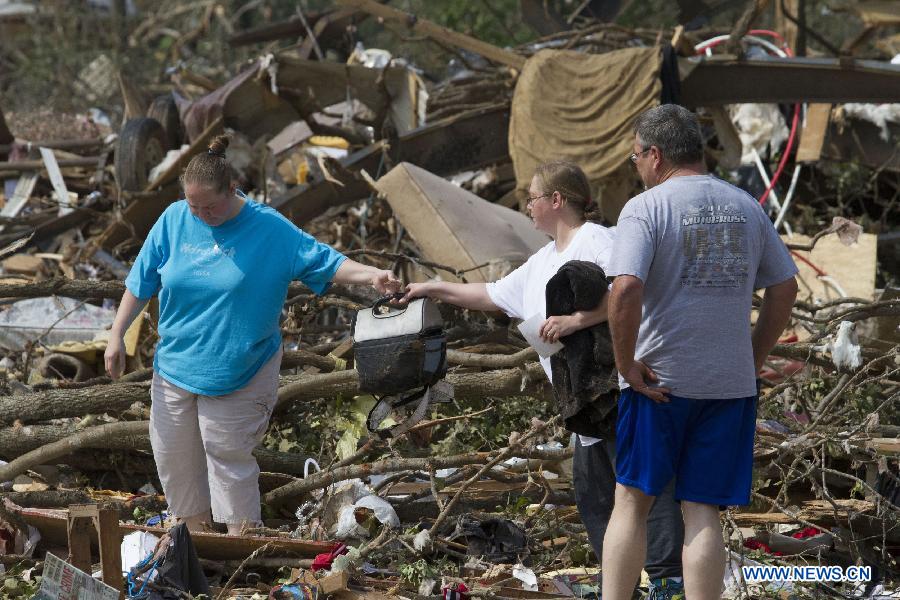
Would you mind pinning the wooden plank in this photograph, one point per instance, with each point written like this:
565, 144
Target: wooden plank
56, 179
438, 33
784, 25
15, 204
884, 445
78, 531
110, 541
812, 136
52, 523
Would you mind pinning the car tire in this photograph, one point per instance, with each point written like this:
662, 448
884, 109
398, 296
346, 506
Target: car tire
164, 110
141, 146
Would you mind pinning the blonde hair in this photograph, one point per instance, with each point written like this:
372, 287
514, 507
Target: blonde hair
569, 180
210, 169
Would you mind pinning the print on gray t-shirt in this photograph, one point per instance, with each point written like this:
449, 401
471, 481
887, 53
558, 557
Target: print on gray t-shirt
700, 246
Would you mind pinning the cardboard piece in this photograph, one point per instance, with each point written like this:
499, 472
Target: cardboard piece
456, 228
24, 264
812, 136
852, 268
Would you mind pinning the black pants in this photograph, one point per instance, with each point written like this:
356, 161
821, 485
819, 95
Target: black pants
594, 478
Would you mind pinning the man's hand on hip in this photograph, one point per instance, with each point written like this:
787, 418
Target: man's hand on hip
639, 376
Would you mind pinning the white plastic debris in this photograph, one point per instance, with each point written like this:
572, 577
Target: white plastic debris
346, 561
373, 58
526, 576
148, 489
356, 495
167, 161
427, 586
135, 548
846, 230
383, 510
845, 350
735, 584
422, 540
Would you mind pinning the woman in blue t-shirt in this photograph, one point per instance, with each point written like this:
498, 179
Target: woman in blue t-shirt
220, 264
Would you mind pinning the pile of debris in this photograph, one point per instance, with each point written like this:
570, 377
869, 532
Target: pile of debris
429, 180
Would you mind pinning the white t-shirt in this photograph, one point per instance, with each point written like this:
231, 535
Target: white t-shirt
521, 294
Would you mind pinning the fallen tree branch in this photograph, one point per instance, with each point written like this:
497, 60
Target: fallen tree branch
502, 455
324, 479
491, 361
101, 436
83, 289
522, 381
58, 403
17, 441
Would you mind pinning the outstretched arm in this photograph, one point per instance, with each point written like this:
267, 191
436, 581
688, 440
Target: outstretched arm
382, 280
467, 295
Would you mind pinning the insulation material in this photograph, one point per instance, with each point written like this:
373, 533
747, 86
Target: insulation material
878, 114
760, 126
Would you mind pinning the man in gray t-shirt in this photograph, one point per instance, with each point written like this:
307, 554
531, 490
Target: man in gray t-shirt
689, 253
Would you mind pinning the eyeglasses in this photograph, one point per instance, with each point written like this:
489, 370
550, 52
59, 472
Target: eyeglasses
634, 156
533, 199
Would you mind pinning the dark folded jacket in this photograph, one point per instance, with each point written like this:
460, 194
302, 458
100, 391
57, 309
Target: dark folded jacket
585, 381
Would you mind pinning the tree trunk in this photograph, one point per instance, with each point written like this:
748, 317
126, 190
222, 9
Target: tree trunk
17, 441
117, 397
55, 404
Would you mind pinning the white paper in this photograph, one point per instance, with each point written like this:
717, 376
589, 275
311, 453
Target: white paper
530, 328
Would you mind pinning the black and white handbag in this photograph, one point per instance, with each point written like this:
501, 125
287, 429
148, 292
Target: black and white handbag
401, 352
399, 348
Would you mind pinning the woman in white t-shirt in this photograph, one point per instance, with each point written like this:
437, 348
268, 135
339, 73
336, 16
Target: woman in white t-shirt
559, 200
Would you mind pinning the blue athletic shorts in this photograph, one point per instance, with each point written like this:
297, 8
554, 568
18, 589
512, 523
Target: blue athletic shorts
706, 445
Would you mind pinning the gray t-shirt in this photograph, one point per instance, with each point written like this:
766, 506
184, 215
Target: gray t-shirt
700, 246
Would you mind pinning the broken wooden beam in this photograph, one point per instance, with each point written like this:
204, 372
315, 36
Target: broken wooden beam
723, 79
438, 33
37, 165
392, 465
68, 145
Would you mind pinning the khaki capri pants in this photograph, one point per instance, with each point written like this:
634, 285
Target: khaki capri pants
203, 446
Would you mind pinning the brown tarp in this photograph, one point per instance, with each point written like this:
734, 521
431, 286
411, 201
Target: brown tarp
580, 107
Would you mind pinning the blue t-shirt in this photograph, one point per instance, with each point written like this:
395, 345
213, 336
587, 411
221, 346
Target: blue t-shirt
221, 291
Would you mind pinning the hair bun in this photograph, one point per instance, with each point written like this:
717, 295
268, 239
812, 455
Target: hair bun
218, 146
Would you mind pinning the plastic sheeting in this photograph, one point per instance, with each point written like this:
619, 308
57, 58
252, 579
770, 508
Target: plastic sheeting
54, 320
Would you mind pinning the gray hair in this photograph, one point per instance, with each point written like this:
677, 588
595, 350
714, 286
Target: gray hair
674, 130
